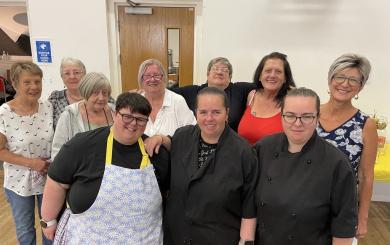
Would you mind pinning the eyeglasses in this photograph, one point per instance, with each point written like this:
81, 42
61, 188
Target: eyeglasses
74, 73
220, 69
351, 80
305, 119
155, 76
127, 118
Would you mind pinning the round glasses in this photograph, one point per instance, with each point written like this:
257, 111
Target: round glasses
292, 118
128, 118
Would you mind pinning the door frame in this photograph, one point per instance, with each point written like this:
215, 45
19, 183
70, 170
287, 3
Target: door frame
113, 35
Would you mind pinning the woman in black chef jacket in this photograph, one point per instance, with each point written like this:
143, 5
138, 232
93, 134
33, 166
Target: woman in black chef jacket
213, 178
307, 191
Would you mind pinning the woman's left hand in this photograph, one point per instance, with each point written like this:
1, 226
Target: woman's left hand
153, 144
361, 229
49, 232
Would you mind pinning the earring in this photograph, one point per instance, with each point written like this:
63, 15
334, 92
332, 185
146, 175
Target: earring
328, 92
357, 96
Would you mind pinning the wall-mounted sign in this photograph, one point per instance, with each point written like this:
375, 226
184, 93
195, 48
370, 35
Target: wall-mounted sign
43, 51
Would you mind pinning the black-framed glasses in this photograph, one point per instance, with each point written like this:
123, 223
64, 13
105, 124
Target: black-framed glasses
339, 79
128, 118
155, 76
305, 119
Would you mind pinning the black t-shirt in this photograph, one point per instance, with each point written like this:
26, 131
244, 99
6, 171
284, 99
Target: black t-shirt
81, 162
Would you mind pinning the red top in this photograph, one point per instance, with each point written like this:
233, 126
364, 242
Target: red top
255, 128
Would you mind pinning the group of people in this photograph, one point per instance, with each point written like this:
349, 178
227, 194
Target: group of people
218, 163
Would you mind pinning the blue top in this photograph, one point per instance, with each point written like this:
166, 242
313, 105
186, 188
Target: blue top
348, 137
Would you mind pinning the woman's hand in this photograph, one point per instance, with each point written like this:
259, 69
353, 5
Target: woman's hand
153, 144
361, 229
49, 232
39, 164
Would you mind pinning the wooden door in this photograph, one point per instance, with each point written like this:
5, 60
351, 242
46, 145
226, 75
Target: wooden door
145, 36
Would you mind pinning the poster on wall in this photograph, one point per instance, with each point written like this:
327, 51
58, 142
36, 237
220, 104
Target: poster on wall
43, 49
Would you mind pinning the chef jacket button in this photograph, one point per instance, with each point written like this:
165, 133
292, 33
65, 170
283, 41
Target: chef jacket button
308, 161
290, 237
276, 154
294, 215
262, 225
262, 204
269, 178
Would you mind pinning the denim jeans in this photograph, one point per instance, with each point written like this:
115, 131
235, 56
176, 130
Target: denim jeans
23, 210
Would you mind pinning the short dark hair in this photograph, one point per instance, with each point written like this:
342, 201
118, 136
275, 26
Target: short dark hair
287, 73
302, 92
213, 91
135, 102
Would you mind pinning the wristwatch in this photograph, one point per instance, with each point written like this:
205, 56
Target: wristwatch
246, 242
45, 224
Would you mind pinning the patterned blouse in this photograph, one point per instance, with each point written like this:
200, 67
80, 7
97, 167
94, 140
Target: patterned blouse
348, 137
59, 101
28, 136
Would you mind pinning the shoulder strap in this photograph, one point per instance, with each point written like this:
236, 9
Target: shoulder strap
250, 102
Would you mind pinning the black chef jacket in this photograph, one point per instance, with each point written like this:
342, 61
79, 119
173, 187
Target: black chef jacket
304, 198
236, 93
206, 205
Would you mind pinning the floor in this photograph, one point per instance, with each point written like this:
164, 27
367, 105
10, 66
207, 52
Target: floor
378, 223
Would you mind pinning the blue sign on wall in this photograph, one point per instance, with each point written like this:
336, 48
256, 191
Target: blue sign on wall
43, 51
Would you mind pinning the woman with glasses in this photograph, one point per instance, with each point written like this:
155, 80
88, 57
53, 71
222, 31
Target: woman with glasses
262, 117
169, 110
306, 192
349, 129
219, 75
93, 111
72, 70
112, 187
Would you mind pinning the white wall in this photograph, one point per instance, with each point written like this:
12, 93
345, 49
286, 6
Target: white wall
311, 32
75, 28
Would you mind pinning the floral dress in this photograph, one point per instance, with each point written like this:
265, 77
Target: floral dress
348, 137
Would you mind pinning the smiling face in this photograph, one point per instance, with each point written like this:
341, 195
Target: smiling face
152, 79
218, 76
29, 86
299, 133
128, 133
272, 76
71, 75
211, 115
345, 89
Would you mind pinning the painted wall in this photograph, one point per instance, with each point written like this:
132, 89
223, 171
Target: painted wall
312, 34
75, 28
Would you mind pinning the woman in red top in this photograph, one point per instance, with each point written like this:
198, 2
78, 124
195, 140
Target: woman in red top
262, 116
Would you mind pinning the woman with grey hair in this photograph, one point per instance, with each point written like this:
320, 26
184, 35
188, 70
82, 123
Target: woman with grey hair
349, 129
219, 75
72, 70
26, 133
169, 110
94, 111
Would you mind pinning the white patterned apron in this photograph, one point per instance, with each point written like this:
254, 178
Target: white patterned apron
127, 209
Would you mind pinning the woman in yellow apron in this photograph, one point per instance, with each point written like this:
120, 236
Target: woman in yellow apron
112, 188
